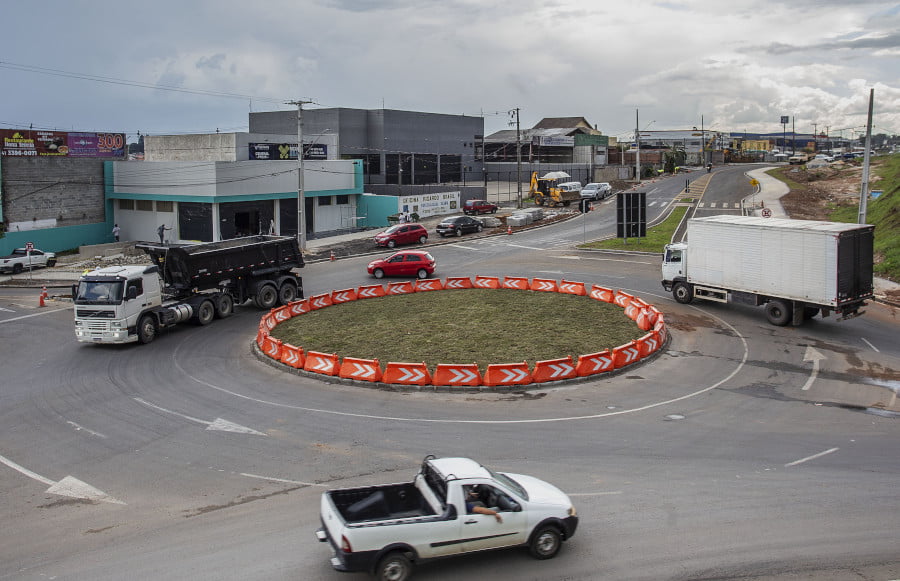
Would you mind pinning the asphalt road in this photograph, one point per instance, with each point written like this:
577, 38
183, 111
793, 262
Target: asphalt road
745, 451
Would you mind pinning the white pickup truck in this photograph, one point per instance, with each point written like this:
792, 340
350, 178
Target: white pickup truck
386, 529
22, 259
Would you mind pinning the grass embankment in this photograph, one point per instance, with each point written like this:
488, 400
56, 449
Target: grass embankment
657, 236
463, 326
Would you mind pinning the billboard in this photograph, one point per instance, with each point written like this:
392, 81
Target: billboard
38, 143
286, 151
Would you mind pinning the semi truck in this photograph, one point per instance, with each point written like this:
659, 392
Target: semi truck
186, 282
797, 269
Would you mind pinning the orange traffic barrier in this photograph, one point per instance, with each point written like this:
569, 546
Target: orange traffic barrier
486, 282
507, 374
299, 307
640, 303
370, 291
465, 374
652, 315
553, 370
324, 363
400, 288
595, 363
572, 288
516, 282
622, 299
272, 347
626, 354
320, 301
648, 343
343, 296
269, 321
406, 374
281, 314
41, 300
362, 369
292, 355
643, 320
261, 335
430, 284
632, 310
543, 284
601, 293
661, 330
453, 282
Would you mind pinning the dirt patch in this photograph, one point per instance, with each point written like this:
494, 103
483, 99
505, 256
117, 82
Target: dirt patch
821, 190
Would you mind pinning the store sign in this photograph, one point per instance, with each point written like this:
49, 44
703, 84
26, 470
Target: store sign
546, 141
429, 204
286, 151
30, 143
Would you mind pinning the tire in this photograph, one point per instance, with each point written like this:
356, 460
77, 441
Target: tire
539, 201
458, 232
494, 211
423, 239
480, 228
682, 293
778, 313
378, 273
545, 543
51, 263
266, 296
422, 273
206, 312
224, 306
394, 567
391, 244
147, 329
17, 268
287, 293
810, 312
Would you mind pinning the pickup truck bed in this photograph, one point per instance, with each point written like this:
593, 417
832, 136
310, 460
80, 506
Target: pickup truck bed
374, 503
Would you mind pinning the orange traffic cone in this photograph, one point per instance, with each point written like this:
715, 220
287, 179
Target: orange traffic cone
44, 292
332, 255
41, 301
509, 229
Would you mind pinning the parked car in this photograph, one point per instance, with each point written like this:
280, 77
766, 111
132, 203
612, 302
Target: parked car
479, 207
458, 226
416, 263
20, 260
569, 187
596, 191
402, 234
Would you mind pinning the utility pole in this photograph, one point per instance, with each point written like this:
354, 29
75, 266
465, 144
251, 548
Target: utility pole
518, 158
816, 137
637, 141
864, 194
301, 200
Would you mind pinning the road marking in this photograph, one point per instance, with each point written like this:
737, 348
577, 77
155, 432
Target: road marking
874, 348
814, 356
525, 247
81, 428
813, 457
604, 259
272, 479
217, 424
68, 486
35, 315
5, 310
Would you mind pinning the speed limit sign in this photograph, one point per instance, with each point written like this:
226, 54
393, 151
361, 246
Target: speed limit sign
766, 213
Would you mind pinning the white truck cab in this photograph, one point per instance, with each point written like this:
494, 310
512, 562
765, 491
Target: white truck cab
109, 301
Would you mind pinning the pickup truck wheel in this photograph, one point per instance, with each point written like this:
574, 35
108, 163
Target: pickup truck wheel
147, 329
682, 293
778, 313
17, 268
266, 296
545, 543
206, 312
287, 293
51, 263
224, 306
394, 567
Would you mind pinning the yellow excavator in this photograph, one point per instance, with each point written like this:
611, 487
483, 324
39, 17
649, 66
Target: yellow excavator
548, 190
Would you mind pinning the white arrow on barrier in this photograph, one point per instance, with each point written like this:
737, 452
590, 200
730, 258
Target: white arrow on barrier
561, 369
322, 365
411, 374
651, 343
299, 308
454, 284
280, 316
483, 283
363, 370
631, 354
273, 349
368, 292
545, 286
513, 375
569, 288
342, 297
462, 375
292, 357
602, 363
320, 302
426, 285
398, 290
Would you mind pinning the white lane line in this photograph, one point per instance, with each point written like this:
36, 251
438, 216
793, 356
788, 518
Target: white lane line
35, 315
68, 486
82, 428
605, 259
26, 471
525, 247
813, 457
284, 480
874, 348
473, 249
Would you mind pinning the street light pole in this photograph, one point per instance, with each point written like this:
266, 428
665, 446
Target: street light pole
301, 200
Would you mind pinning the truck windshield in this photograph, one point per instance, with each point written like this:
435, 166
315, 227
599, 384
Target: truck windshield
515, 486
95, 292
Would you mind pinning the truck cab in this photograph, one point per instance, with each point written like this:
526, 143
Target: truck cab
673, 265
109, 301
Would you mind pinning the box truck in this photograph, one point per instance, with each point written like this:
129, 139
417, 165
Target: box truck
796, 268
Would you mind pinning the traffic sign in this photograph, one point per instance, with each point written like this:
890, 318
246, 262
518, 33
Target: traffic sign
766, 213
29, 246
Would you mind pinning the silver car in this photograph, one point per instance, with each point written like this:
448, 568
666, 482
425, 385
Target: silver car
596, 191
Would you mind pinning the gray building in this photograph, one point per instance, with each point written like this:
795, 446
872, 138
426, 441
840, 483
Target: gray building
396, 147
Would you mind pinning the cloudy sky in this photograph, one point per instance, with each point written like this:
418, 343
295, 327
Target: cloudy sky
192, 66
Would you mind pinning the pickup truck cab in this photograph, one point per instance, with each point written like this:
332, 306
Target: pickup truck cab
386, 529
22, 259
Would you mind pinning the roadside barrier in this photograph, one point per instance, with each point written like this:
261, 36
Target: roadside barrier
647, 318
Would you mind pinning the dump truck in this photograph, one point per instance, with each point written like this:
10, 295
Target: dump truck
551, 191
186, 282
796, 268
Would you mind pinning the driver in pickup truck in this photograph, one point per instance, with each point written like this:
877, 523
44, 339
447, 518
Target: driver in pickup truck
475, 504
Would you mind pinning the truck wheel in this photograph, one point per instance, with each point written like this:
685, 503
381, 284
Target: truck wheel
266, 296
394, 567
287, 293
147, 329
545, 543
778, 313
206, 312
17, 268
810, 312
224, 306
682, 293
51, 263
539, 200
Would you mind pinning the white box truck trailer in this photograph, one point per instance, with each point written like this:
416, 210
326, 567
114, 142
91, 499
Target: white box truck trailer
796, 268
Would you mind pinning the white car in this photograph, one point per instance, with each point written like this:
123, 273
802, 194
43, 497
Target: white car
22, 259
596, 191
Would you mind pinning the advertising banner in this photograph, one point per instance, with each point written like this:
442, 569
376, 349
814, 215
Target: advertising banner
430, 204
32, 143
286, 151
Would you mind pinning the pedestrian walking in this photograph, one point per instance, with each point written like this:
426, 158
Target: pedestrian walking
162, 232
116, 231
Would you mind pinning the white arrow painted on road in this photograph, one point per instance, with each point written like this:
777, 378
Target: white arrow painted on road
514, 375
461, 375
814, 356
217, 424
68, 486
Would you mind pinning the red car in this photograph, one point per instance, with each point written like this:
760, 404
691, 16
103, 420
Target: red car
402, 234
416, 263
479, 207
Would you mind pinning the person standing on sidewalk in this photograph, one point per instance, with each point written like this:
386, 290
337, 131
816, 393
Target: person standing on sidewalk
116, 230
